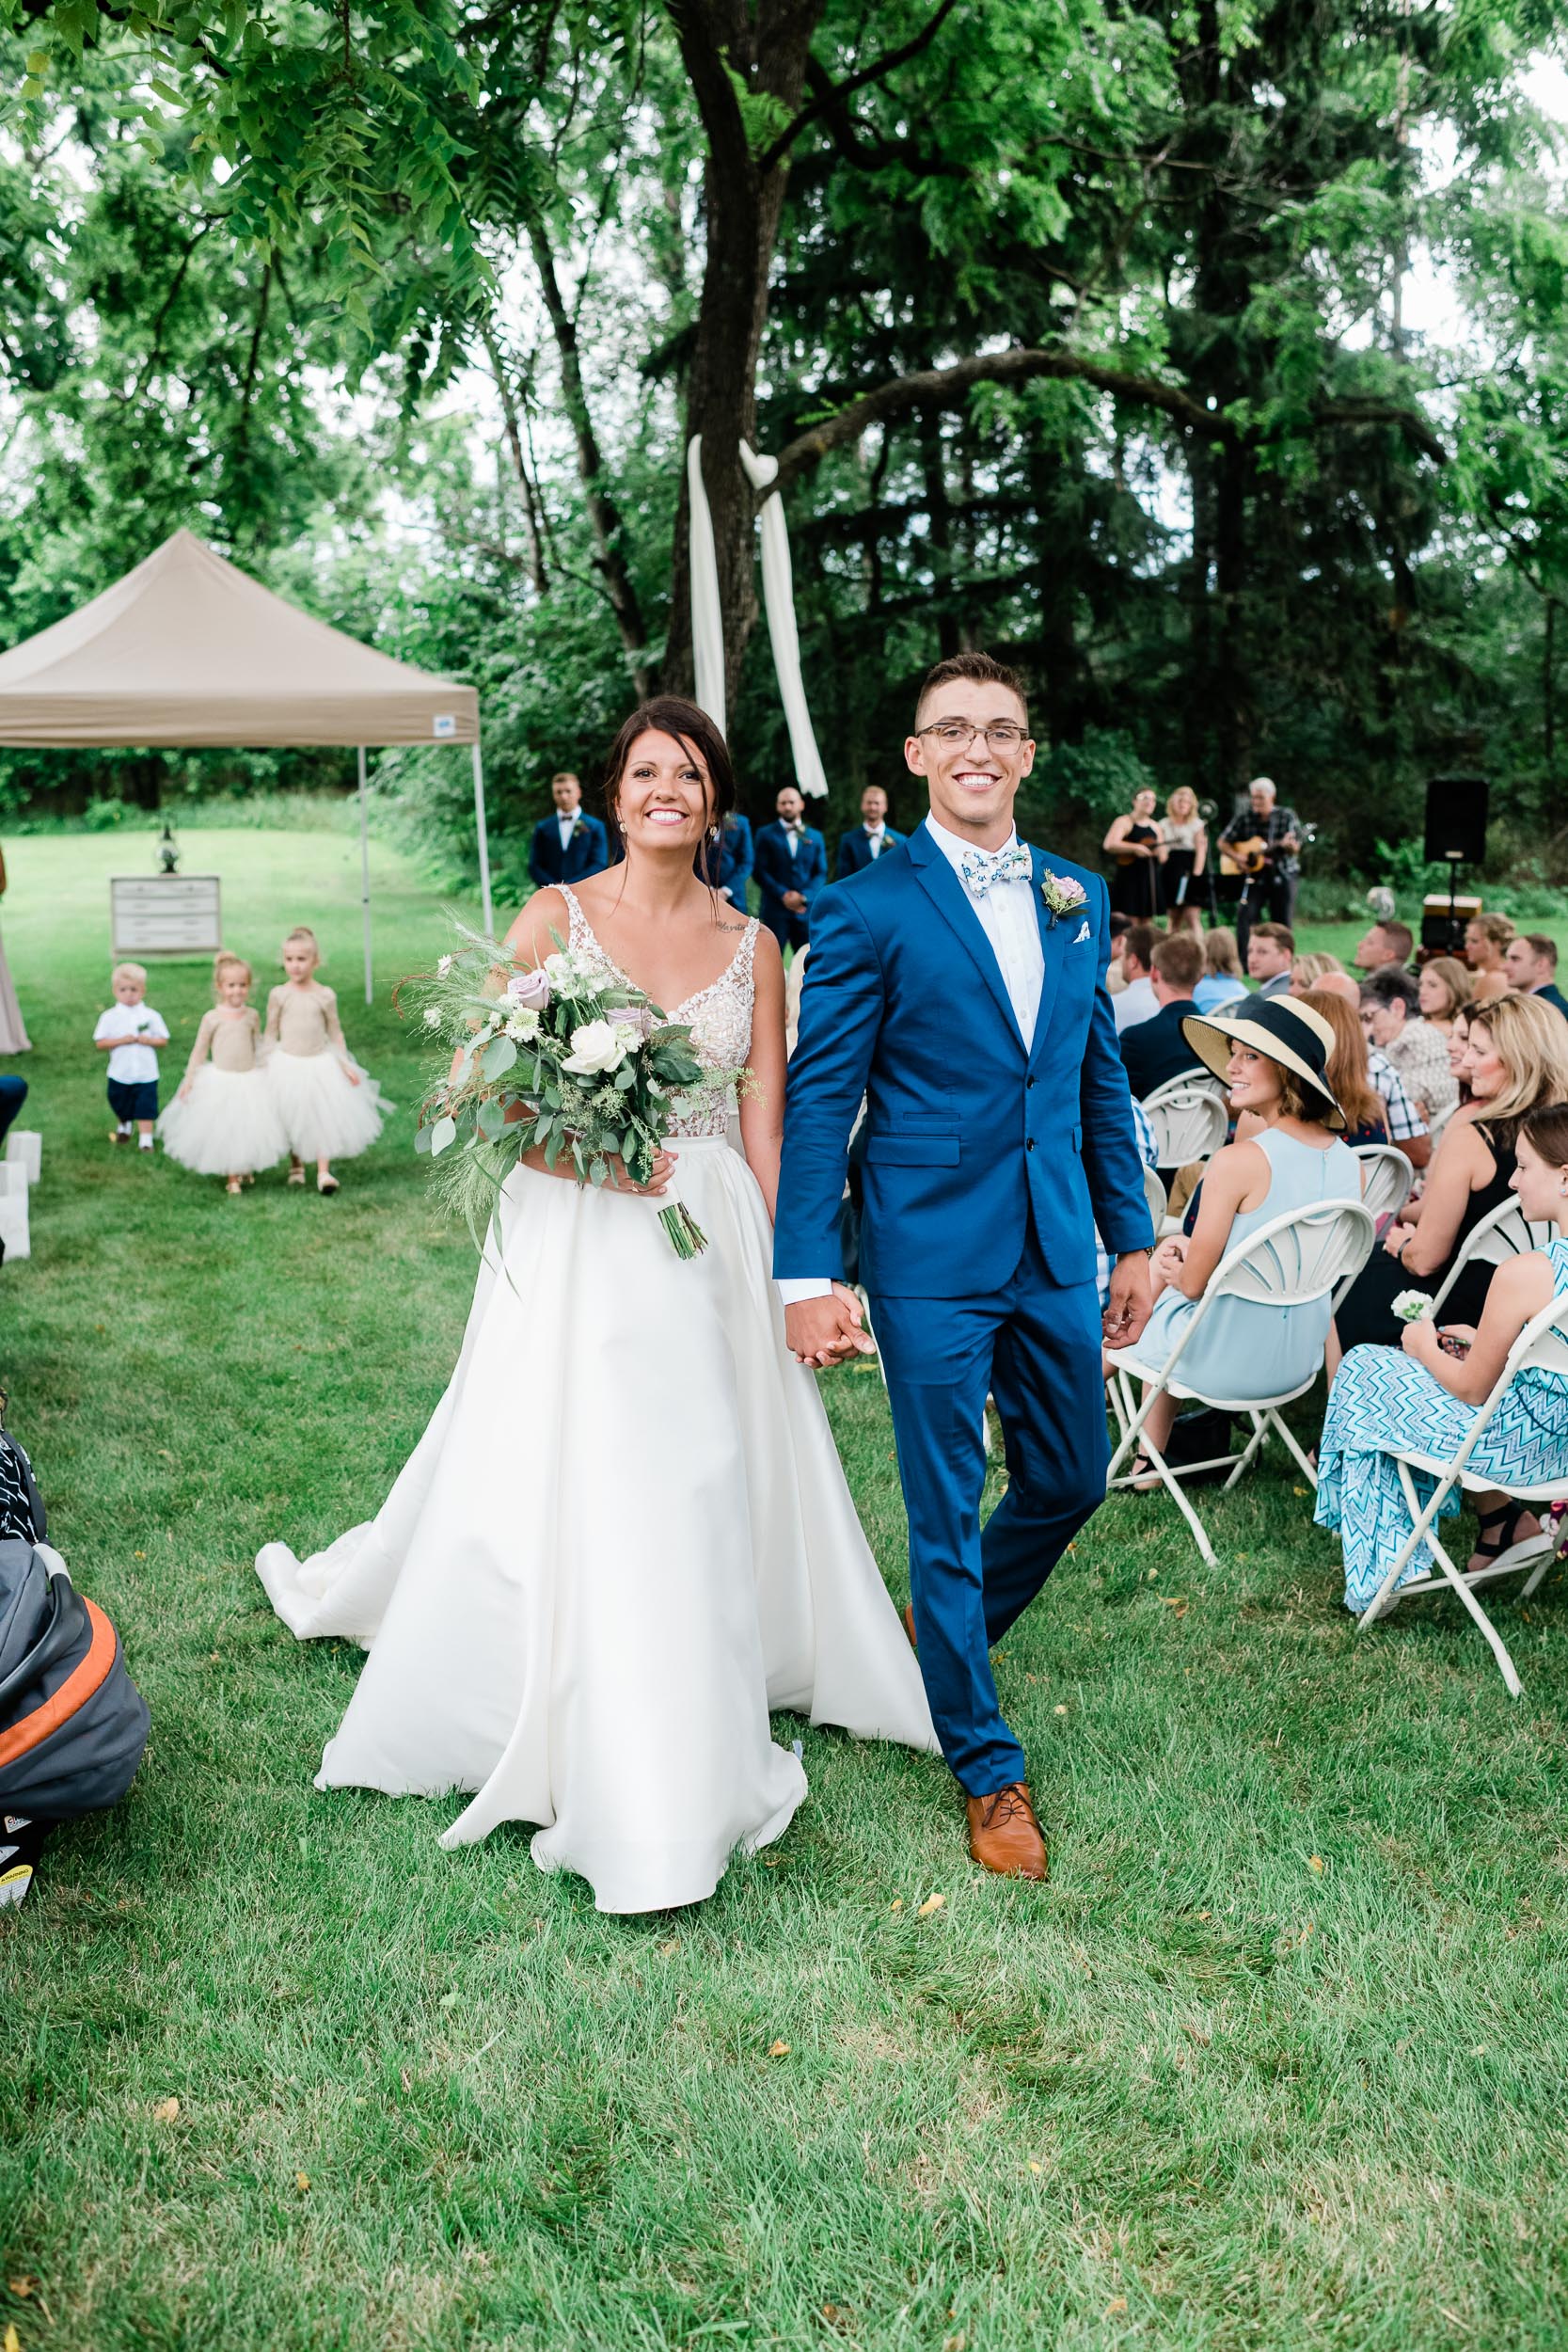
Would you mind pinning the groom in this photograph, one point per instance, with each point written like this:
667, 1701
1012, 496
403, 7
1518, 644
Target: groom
959, 985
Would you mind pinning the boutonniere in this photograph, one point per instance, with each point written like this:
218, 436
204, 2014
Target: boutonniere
1062, 895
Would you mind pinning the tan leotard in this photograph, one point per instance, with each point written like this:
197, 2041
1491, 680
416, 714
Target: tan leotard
305, 1020
232, 1043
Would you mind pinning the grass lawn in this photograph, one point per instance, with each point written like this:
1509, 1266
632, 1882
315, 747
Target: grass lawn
1274, 2061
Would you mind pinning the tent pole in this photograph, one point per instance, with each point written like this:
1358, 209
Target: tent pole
484, 844
365, 871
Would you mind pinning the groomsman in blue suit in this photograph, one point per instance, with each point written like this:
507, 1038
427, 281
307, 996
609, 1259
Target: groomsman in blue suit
957, 986
791, 867
864, 845
571, 845
729, 860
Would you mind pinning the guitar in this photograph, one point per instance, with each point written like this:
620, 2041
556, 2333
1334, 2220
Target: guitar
1247, 857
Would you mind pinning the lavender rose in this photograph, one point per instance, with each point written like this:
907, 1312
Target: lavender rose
529, 991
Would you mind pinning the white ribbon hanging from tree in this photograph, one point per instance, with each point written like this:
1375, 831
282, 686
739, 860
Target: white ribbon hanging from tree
778, 591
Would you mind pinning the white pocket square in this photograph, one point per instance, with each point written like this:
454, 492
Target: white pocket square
1083, 933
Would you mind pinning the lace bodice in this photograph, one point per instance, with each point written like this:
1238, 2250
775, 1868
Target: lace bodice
717, 1016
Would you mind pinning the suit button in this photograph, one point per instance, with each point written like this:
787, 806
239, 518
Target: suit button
1029, 1144
1029, 1086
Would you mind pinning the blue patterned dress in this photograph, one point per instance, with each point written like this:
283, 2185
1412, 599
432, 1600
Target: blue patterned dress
1382, 1397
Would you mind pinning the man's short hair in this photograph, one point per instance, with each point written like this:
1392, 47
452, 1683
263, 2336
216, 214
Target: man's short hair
1278, 934
1264, 783
1178, 961
983, 668
1400, 938
1120, 925
1542, 947
565, 775
1393, 985
1140, 943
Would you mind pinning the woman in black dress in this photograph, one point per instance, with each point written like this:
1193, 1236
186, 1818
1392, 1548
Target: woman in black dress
1136, 844
1515, 1061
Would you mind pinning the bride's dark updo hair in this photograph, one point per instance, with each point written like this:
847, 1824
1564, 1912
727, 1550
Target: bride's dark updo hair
694, 731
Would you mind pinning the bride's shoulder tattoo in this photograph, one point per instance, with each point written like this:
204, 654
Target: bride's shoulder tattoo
732, 926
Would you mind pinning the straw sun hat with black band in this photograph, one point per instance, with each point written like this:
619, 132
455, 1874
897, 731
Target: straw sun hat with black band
1287, 1033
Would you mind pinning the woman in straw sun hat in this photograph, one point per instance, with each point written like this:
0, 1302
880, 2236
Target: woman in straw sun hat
1272, 1055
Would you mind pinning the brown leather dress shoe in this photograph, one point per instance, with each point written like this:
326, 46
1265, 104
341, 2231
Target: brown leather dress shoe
908, 1625
1004, 1834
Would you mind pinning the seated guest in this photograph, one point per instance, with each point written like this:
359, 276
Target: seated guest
1487, 940
1349, 1077
14, 1093
871, 837
1530, 963
1270, 953
1381, 1397
1137, 1001
1406, 1129
729, 859
1444, 991
1388, 942
1307, 971
790, 866
1273, 1058
1391, 1001
1155, 1050
1222, 982
1516, 1063
569, 846
1116, 971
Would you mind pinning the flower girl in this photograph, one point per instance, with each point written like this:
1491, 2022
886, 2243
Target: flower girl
330, 1109
223, 1122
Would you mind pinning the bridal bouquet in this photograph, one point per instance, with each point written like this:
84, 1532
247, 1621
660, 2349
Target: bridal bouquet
564, 1057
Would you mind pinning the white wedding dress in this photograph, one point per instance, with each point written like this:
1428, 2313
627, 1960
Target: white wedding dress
623, 1537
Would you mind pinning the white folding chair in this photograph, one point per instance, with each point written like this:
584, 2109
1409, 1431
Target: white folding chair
1439, 1119
1189, 1117
1387, 1177
1154, 1193
1504, 1233
1289, 1262
1542, 1343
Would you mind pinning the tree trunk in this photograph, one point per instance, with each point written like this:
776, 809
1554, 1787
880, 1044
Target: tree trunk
767, 45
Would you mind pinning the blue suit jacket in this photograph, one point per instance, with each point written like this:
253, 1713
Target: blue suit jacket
730, 859
588, 851
777, 871
967, 1135
854, 850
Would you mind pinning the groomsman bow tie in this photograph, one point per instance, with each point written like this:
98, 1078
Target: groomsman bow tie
981, 868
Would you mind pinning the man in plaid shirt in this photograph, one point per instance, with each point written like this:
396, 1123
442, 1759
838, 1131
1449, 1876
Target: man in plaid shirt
1271, 892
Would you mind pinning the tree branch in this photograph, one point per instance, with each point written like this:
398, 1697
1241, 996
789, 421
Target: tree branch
828, 92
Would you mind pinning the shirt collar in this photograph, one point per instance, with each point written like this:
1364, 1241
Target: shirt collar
954, 848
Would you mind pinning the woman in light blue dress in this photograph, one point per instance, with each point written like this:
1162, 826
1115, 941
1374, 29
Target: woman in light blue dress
1273, 1058
1390, 1396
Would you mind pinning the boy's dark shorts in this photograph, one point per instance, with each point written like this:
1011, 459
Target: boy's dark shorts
133, 1101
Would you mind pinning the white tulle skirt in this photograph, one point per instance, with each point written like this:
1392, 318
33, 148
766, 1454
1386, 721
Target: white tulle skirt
623, 1537
227, 1126
320, 1109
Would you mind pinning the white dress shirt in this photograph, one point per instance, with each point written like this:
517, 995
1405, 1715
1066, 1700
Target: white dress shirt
877, 835
566, 819
1137, 1002
1006, 915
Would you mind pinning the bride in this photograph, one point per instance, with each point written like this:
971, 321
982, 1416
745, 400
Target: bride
625, 1534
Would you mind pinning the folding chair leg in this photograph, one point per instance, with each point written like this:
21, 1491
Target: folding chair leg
1424, 1522
1277, 1426
1249, 1452
1549, 1558
1173, 1487
1494, 1640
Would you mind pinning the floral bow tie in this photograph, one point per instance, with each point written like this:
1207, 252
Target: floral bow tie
981, 868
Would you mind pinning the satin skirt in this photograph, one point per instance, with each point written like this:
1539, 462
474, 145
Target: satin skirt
623, 1539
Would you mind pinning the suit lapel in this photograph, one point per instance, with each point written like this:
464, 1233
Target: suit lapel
1053, 940
946, 894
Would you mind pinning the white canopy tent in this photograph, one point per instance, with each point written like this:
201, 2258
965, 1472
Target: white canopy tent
188, 651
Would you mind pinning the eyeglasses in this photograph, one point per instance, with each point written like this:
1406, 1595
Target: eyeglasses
1004, 736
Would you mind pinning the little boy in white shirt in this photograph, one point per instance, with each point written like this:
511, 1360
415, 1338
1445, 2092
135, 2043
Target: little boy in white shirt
130, 1034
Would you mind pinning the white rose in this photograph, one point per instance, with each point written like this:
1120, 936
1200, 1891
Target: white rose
596, 1048
562, 974
1414, 1306
433, 1016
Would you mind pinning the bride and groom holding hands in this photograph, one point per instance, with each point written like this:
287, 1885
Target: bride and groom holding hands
625, 1537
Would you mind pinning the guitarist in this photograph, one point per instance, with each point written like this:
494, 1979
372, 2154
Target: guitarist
1262, 842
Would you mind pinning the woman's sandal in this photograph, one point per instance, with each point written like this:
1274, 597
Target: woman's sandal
296, 1171
235, 1185
1497, 1531
1143, 1476
328, 1184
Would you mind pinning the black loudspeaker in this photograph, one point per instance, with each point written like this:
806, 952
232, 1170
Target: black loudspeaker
1456, 820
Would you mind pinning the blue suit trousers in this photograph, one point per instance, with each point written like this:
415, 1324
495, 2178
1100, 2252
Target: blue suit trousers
1035, 1347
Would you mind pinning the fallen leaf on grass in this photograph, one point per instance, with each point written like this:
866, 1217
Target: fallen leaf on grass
1315, 1862
1060, 1710
674, 1946
932, 1902
1117, 2305
897, 1902
22, 2288
165, 2111
138, 1556
778, 2049
1173, 1601
13, 2342
1033, 2166
956, 2344
302, 2182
